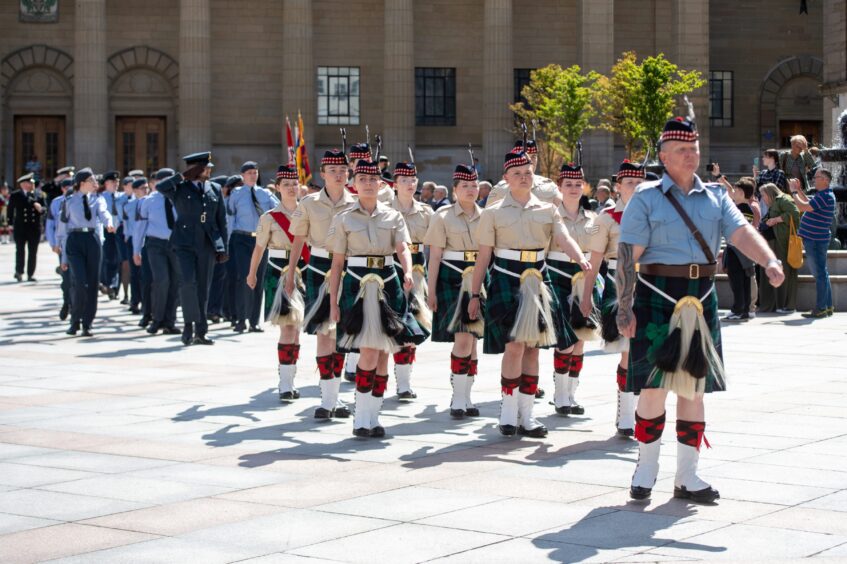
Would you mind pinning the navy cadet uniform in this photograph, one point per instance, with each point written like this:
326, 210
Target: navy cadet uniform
128, 215
25, 209
153, 232
80, 217
199, 238
214, 311
50, 228
675, 273
111, 256
246, 204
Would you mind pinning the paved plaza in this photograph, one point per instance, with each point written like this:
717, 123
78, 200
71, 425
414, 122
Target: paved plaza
127, 448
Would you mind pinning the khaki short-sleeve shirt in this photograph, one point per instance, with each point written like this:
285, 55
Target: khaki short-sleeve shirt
417, 218
608, 234
582, 229
451, 229
314, 215
510, 225
269, 233
356, 232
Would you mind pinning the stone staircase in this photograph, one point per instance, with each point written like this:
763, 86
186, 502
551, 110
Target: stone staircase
837, 264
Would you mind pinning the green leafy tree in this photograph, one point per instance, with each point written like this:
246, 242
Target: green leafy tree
560, 102
636, 99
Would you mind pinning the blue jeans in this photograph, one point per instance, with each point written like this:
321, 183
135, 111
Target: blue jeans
816, 255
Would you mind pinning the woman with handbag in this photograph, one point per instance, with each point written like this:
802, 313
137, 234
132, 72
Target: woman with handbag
783, 217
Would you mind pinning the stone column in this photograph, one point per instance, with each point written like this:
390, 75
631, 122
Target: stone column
195, 79
691, 52
497, 84
298, 73
91, 89
596, 25
399, 79
834, 66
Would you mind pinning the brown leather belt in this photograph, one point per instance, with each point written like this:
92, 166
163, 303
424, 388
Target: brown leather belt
690, 271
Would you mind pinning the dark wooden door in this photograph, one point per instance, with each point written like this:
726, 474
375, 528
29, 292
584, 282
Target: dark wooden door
140, 143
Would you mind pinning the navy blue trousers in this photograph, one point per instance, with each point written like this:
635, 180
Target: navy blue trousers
83, 258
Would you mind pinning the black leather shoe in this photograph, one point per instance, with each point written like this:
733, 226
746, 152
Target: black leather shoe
457, 413
134, 310
72, 330
125, 301
31, 279
538, 433
145, 321
706, 495
113, 294
472, 412
564, 410
256, 329
86, 332
63, 313
350, 377
577, 410
289, 396
323, 413
378, 432
625, 433
341, 412
508, 430
215, 318
171, 331
153, 328
187, 334
362, 432
202, 340
19, 277
407, 396
639, 494
539, 393
240, 327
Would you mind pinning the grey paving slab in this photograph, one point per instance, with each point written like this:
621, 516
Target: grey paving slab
526, 550
130, 488
161, 551
405, 543
13, 523
61, 506
25, 476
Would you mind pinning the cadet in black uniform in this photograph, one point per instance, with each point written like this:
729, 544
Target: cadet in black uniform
25, 209
199, 239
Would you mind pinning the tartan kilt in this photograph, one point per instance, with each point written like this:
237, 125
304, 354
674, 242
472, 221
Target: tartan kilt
562, 284
312, 281
610, 291
503, 302
653, 313
274, 277
448, 289
394, 296
418, 259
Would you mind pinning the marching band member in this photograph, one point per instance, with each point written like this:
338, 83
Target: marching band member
371, 308
417, 217
568, 284
452, 253
286, 311
310, 224
604, 254
522, 313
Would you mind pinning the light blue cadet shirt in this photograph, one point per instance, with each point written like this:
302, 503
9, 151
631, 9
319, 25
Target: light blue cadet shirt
152, 221
651, 221
241, 210
72, 217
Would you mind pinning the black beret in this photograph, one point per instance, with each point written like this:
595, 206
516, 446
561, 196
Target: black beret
163, 173
139, 182
82, 175
249, 165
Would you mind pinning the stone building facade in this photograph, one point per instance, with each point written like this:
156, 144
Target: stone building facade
137, 83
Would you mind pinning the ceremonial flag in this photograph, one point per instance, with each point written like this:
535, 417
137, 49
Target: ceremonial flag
289, 141
303, 169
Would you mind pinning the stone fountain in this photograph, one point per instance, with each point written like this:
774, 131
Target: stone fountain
837, 159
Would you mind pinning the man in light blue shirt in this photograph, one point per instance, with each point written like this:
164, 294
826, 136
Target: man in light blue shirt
153, 230
244, 207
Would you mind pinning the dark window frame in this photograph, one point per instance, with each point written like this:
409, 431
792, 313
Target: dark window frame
721, 98
521, 78
435, 96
